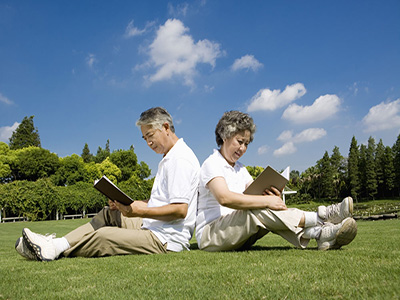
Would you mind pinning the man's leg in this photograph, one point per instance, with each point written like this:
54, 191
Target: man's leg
108, 241
105, 217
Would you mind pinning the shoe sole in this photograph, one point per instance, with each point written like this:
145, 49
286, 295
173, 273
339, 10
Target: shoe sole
346, 233
32, 246
31, 255
350, 205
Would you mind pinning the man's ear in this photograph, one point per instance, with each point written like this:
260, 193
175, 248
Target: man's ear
166, 126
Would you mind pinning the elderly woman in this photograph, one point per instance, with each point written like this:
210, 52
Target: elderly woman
227, 219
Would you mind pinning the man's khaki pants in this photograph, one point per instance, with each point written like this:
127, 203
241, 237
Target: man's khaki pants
242, 228
110, 233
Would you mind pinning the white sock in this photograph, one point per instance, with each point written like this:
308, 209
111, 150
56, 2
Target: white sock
61, 244
312, 219
312, 232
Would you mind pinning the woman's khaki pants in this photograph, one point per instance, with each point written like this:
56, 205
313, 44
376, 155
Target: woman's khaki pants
242, 228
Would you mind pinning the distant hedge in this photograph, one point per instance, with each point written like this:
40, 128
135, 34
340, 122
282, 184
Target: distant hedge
41, 199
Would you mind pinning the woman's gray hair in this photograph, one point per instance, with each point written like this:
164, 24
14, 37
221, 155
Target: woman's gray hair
231, 123
156, 117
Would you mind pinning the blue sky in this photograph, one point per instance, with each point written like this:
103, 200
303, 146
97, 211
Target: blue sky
311, 73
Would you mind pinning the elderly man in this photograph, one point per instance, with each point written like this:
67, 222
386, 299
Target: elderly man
163, 223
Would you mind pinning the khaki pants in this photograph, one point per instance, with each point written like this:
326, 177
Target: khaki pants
242, 228
110, 233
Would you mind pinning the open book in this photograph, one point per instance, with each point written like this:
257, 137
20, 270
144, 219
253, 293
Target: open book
269, 177
111, 191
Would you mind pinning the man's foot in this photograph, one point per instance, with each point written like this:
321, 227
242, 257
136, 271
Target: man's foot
336, 213
335, 236
22, 248
41, 245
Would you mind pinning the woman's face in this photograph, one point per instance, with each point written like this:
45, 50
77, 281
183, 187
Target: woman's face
233, 148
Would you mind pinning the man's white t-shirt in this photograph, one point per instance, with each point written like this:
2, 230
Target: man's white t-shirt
176, 181
208, 208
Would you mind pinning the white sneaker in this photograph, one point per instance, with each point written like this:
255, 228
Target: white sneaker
335, 236
41, 245
336, 213
22, 248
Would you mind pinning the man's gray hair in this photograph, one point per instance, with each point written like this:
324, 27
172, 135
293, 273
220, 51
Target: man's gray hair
231, 123
156, 117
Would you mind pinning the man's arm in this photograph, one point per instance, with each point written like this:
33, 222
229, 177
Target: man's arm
169, 212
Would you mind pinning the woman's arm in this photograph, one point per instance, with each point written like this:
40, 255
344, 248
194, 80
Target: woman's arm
225, 197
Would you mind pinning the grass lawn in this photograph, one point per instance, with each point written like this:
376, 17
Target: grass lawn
368, 268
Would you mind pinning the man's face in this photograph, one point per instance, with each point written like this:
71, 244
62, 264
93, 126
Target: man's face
156, 139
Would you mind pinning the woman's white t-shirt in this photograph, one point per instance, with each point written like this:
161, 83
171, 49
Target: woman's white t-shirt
208, 208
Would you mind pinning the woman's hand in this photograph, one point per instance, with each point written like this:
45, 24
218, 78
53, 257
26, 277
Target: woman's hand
275, 201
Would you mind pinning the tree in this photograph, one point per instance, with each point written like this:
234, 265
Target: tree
389, 171
396, 163
25, 135
102, 154
326, 180
71, 171
380, 168
254, 171
5, 170
352, 168
86, 155
370, 169
338, 164
362, 167
33, 163
126, 161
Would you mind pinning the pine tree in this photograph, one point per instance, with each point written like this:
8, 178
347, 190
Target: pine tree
338, 170
352, 169
396, 164
86, 155
380, 168
370, 169
326, 180
25, 135
362, 168
389, 171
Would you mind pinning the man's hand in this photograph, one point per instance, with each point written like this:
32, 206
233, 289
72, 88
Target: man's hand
135, 209
112, 205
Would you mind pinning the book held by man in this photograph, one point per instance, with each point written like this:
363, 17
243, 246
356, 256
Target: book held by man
111, 191
269, 177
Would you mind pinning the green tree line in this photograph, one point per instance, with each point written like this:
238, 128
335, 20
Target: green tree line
37, 184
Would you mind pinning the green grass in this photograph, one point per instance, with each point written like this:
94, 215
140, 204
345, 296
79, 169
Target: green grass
368, 268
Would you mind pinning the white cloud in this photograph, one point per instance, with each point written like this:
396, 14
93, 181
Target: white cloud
91, 60
131, 30
322, 108
285, 135
271, 100
286, 149
262, 150
6, 132
383, 116
179, 10
307, 135
246, 62
174, 53
5, 100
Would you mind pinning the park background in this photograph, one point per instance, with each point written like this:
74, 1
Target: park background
320, 79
